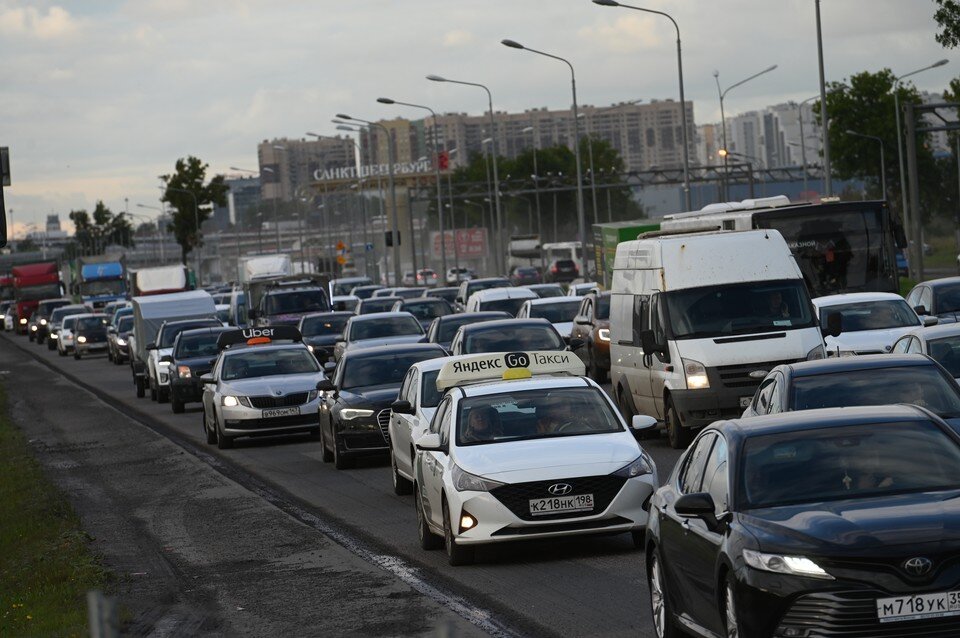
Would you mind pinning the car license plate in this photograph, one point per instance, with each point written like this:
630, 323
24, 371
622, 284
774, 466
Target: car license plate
561, 504
901, 608
745, 402
270, 414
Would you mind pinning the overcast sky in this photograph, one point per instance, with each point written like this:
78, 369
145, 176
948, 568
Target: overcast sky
99, 97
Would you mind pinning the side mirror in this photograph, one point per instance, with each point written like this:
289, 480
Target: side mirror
166, 359
576, 343
402, 407
112, 330
430, 442
582, 321
151, 346
834, 325
329, 366
649, 344
326, 385
920, 310
207, 379
929, 320
697, 505
641, 422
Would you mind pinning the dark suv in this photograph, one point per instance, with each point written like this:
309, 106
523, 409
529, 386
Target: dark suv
562, 270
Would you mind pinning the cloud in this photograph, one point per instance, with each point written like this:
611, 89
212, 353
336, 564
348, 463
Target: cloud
627, 34
457, 38
56, 23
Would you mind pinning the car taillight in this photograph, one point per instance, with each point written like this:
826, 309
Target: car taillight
553, 269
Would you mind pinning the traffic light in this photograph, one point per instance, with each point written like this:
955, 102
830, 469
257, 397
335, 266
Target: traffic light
443, 160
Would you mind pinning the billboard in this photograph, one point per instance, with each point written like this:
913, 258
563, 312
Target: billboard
471, 243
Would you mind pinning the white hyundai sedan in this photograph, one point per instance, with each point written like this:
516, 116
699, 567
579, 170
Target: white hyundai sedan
522, 446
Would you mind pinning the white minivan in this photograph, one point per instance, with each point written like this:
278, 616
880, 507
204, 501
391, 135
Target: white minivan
698, 319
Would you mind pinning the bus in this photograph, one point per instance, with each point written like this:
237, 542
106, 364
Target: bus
839, 246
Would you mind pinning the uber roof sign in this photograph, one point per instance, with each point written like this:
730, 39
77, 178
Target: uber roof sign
254, 336
488, 367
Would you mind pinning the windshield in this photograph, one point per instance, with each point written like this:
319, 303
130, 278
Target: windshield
946, 352
385, 327
872, 315
322, 326
169, 333
364, 292
408, 293
87, 324
377, 304
122, 312
603, 307
43, 291
948, 298
69, 322
60, 313
857, 461
756, 306
447, 294
296, 301
126, 324
223, 314
449, 327
268, 363
557, 312
924, 385
513, 339
475, 285
548, 291
384, 369
509, 306
429, 395
47, 307
344, 287
427, 309
534, 414
198, 345
111, 287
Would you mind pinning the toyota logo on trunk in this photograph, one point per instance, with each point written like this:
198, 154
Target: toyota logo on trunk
560, 489
918, 566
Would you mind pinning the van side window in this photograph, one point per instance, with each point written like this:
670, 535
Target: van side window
641, 316
657, 323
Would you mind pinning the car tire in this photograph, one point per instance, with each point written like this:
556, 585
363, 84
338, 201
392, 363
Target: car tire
593, 370
29, 335
428, 540
211, 435
729, 612
153, 391
224, 442
639, 538
663, 625
51, 344
401, 486
678, 435
176, 405
326, 455
141, 391
340, 461
163, 395
77, 355
456, 554
62, 353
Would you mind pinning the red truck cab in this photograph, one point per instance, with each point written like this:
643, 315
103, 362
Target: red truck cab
31, 283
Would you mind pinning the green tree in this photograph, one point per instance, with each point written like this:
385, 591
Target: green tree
947, 17
192, 199
95, 231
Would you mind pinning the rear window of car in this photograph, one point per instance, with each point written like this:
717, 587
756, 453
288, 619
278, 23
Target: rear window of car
126, 323
198, 345
385, 327
515, 338
384, 369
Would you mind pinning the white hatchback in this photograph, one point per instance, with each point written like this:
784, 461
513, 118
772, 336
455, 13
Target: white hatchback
410, 417
871, 321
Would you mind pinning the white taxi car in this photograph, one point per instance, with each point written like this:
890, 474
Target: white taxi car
410, 417
523, 446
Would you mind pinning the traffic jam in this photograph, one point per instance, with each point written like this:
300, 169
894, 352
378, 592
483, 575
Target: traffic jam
815, 412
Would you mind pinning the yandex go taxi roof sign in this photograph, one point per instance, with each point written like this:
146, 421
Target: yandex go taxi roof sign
507, 365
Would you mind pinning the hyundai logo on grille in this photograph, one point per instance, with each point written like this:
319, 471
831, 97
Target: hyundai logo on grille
757, 374
918, 566
560, 489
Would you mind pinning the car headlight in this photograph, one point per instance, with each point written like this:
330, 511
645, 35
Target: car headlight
466, 482
54, 336
780, 564
603, 334
23, 320
81, 339
184, 372
312, 395
816, 353
696, 375
34, 327
229, 401
639, 466
349, 414
121, 341
43, 322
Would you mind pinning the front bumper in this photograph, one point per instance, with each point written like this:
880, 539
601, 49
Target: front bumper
364, 436
496, 522
243, 421
189, 390
87, 348
699, 408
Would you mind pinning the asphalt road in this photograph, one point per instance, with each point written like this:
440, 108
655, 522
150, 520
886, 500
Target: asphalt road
587, 586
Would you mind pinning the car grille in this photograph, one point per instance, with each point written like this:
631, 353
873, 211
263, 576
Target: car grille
383, 420
298, 398
738, 376
516, 496
854, 614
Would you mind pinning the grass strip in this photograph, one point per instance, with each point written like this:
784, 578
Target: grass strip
46, 564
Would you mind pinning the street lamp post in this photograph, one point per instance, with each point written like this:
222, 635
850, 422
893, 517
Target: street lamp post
723, 119
501, 264
395, 231
683, 103
536, 190
453, 222
436, 166
824, 119
883, 172
581, 218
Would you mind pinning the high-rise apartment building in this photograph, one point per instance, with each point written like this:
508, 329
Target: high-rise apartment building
287, 165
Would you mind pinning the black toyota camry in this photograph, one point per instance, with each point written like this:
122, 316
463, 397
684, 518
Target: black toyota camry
833, 522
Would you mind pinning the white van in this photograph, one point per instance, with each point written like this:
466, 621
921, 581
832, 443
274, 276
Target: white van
697, 320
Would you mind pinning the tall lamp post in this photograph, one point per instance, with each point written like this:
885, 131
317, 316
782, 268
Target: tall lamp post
722, 93
824, 119
536, 190
683, 103
883, 165
501, 263
581, 218
436, 166
395, 231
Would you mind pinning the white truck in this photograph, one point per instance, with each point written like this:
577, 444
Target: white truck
256, 267
698, 319
149, 313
